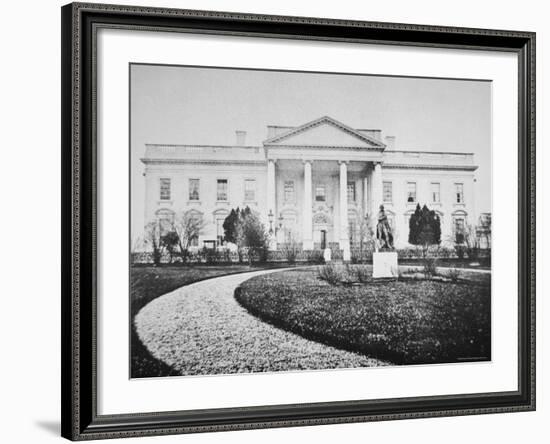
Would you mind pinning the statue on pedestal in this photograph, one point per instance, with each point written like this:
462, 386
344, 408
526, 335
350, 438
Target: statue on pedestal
384, 235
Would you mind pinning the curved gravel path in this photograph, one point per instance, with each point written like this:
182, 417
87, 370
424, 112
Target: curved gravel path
201, 329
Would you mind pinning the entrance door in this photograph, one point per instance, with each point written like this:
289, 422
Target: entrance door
323, 239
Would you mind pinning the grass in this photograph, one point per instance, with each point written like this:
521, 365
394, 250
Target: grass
402, 321
148, 283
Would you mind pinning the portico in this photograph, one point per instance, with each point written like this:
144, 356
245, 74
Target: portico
323, 199
338, 171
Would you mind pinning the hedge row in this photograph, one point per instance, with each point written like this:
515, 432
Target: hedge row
289, 253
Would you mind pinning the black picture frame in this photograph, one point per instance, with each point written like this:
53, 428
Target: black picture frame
80, 22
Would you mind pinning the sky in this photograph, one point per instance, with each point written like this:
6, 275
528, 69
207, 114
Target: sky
196, 105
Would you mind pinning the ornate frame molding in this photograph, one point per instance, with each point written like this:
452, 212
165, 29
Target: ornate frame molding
80, 21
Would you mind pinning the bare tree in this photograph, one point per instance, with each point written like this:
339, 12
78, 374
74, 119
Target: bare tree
153, 239
138, 244
291, 248
365, 235
188, 227
471, 240
485, 227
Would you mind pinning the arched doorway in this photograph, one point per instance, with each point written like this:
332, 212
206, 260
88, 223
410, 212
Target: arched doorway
322, 230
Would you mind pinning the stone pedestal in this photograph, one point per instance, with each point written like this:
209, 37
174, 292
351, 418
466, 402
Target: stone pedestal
327, 255
384, 265
346, 253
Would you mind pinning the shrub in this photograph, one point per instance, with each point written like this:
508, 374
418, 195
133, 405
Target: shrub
460, 250
291, 251
315, 256
453, 274
226, 255
244, 228
210, 255
348, 276
330, 273
424, 227
429, 266
362, 274
444, 253
264, 253
170, 242
473, 252
185, 256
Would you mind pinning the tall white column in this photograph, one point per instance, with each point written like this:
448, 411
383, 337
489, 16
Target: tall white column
271, 201
271, 187
344, 225
376, 186
307, 236
366, 191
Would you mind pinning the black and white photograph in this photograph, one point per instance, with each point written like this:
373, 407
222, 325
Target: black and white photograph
275, 222
299, 221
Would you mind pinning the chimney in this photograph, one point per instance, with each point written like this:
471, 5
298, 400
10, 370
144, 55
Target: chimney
271, 131
241, 137
390, 142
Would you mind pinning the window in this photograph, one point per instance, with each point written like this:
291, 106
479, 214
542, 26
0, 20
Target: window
222, 189
411, 192
194, 189
351, 191
289, 191
249, 190
459, 192
165, 189
320, 195
387, 192
436, 195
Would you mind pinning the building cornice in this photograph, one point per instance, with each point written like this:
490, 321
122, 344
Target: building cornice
429, 167
149, 161
453, 153
173, 145
337, 147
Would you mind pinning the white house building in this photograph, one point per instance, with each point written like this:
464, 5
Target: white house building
312, 183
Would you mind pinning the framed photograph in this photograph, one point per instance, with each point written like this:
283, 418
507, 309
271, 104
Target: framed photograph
276, 221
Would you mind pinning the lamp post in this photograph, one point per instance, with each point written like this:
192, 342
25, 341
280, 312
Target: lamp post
270, 217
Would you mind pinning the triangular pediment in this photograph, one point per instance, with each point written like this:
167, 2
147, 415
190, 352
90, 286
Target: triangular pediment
327, 132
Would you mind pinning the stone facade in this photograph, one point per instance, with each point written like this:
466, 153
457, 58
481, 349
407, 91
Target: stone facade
318, 181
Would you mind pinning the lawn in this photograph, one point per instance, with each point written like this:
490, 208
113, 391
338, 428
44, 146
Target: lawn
148, 283
404, 321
